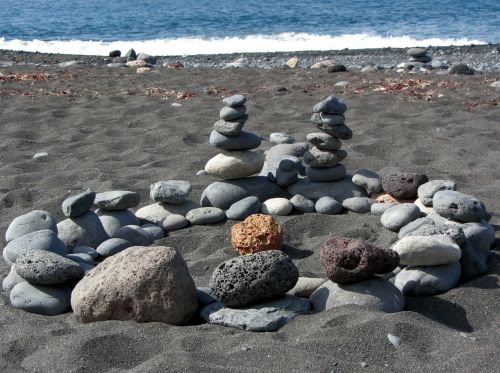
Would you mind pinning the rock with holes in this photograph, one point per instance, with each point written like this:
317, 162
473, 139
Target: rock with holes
377, 293
84, 230
144, 284
458, 206
116, 200
235, 164
399, 215
250, 279
341, 132
427, 190
46, 268
257, 233
170, 191
263, 317
427, 250
432, 280
39, 240
33, 221
206, 215
40, 299
113, 221
78, 205
244, 208
403, 185
369, 180
230, 128
347, 260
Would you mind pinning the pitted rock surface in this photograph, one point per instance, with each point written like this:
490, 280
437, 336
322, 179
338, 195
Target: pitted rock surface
458, 206
403, 185
140, 283
257, 233
249, 279
46, 268
347, 260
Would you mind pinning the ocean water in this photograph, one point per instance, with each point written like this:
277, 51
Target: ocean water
179, 27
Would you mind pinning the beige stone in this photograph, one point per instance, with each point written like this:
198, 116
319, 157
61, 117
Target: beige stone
138, 63
235, 164
140, 283
142, 70
323, 64
292, 63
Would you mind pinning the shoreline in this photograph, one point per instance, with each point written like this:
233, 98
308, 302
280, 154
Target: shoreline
484, 57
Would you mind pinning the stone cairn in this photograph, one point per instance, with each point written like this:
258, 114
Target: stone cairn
324, 157
418, 55
236, 160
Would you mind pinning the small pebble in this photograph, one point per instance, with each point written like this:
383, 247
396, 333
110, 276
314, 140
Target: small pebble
40, 155
396, 341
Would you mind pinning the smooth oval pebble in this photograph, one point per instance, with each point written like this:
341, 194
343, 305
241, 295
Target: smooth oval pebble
331, 105
427, 250
113, 221
358, 204
334, 173
277, 206
154, 231
135, 235
230, 113
332, 119
395, 341
324, 141
206, 215
112, 246
244, 208
234, 165
378, 208
242, 141
32, 221
302, 204
174, 222
40, 240
234, 100
399, 215
43, 300
85, 250
427, 190
328, 206
369, 180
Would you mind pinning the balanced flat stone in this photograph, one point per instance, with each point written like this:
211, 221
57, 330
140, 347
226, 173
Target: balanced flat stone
33, 221
230, 128
317, 158
44, 300
84, 230
117, 200
170, 191
234, 101
281, 138
332, 119
416, 52
234, 165
40, 240
112, 246
458, 206
158, 212
427, 250
334, 173
78, 205
323, 141
113, 221
242, 141
339, 190
330, 105
341, 131
232, 113
426, 191
206, 215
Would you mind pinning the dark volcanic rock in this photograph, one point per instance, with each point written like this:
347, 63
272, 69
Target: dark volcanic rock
403, 185
246, 280
347, 260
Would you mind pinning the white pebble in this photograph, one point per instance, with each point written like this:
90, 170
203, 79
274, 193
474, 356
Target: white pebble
40, 155
396, 341
176, 104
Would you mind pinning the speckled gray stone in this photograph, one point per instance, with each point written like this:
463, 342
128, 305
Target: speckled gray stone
281, 138
323, 141
331, 105
230, 128
414, 225
379, 208
328, 206
170, 191
116, 200
341, 131
234, 100
78, 205
317, 158
368, 179
458, 206
206, 215
33, 221
426, 191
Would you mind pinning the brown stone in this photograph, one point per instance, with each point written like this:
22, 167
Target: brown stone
140, 283
387, 198
257, 233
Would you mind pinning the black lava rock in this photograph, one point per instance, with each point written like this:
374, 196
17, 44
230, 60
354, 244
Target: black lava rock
403, 185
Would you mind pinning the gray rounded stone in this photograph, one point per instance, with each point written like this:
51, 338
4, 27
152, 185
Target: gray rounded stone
376, 293
135, 235
158, 212
43, 300
206, 215
81, 258
113, 221
244, 208
460, 69
458, 206
323, 141
369, 180
379, 208
399, 215
427, 250
358, 204
475, 251
331, 105
85, 250
170, 191
33, 221
78, 205
281, 138
332, 119
230, 128
422, 59
416, 52
40, 240
112, 246
242, 141
287, 165
174, 222
232, 113
334, 173
414, 225
47, 268
278, 151
12, 279
116, 200
234, 101
455, 232
286, 178
84, 230
317, 158
328, 206
302, 204
341, 131
339, 190
248, 279
154, 231
426, 191
432, 280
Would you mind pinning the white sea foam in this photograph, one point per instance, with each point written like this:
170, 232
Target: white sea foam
253, 43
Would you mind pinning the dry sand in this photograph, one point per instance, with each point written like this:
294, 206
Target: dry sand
103, 132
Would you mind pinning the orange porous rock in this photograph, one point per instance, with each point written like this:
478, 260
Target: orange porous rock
257, 233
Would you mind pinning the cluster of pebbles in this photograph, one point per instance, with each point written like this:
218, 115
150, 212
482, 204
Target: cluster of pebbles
101, 263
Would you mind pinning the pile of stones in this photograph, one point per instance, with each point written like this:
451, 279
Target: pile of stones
418, 55
236, 159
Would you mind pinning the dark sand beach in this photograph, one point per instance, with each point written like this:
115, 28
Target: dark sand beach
107, 129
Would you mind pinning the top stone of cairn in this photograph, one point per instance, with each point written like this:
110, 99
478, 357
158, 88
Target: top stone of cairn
330, 105
234, 101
